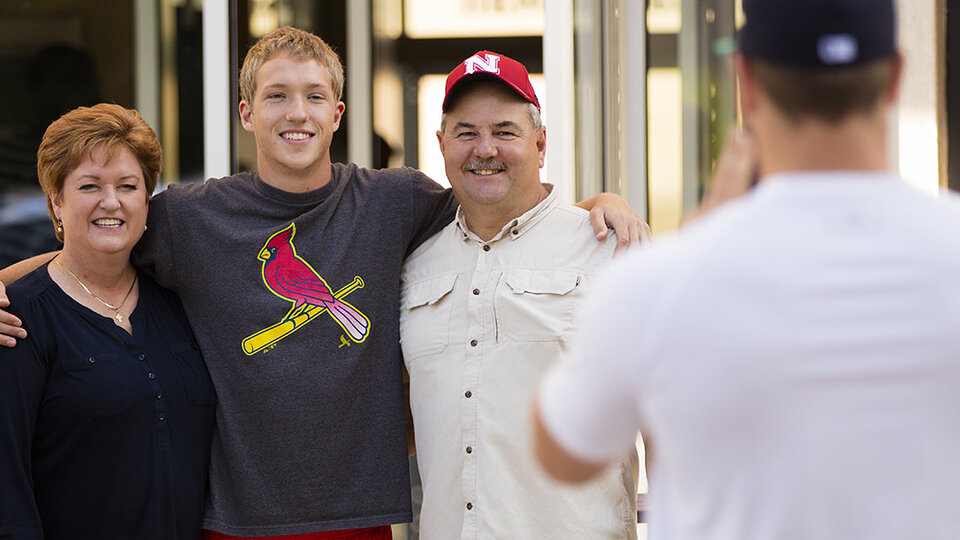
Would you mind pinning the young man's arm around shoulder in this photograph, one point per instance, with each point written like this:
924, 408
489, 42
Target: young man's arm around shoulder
10, 326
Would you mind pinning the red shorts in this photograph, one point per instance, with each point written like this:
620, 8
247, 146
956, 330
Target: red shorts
373, 533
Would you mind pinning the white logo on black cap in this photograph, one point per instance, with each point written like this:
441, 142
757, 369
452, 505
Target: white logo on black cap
834, 49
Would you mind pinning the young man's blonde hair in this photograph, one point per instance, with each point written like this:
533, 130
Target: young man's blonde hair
72, 138
297, 43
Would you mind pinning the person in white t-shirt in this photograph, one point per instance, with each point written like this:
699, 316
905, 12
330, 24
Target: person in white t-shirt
792, 357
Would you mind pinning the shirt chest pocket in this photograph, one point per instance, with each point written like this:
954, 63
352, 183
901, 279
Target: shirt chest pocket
97, 385
536, 305
425, 316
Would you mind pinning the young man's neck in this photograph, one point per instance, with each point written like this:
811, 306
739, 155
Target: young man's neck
299, 181
857, 143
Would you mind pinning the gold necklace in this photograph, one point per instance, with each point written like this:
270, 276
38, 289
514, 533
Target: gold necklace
115, 309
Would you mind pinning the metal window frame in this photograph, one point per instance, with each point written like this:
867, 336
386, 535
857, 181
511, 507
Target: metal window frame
218, 79
617, 89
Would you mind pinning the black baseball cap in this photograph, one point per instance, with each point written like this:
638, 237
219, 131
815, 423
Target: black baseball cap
812, 33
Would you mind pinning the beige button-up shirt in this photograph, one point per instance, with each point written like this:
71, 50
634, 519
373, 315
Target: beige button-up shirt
480, 323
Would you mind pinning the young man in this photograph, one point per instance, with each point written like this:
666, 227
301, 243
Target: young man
290, 279
796, 369
486, 305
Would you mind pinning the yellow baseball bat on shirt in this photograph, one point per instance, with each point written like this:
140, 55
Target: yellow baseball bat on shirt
268, 336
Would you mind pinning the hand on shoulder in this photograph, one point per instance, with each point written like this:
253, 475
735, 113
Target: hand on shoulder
9, 324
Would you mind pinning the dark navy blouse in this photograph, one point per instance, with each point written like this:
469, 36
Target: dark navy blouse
103, 434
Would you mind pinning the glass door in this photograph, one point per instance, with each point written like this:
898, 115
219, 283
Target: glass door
57, 55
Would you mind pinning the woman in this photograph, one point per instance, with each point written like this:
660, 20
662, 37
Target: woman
106, 409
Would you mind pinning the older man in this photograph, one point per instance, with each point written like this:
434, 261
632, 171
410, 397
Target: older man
797, 369
486, 305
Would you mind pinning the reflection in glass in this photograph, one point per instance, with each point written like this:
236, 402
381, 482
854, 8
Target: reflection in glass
663, 17
54, 56
665, 160
472, 18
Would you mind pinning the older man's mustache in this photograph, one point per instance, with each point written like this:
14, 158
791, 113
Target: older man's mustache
479, 164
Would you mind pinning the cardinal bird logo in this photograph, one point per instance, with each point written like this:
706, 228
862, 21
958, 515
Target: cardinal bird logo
290, 277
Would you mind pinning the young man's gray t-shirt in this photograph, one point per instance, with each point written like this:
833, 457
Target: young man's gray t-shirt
310, 421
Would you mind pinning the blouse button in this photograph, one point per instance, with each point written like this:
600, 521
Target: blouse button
473, 343
469, 449
468, 394
476, 291
469, 506
486, 247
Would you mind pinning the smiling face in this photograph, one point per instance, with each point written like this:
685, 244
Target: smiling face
492, 152
103, 204
293, 117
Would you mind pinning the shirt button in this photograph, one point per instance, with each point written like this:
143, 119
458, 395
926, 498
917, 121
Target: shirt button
92, 360
469, 449
476, 291
469, 506
159, 395
468, 393
151, 376
473, 343
162, 418
486, 247
141, 356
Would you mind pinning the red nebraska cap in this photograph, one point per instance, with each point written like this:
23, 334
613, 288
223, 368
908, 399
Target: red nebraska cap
491, 65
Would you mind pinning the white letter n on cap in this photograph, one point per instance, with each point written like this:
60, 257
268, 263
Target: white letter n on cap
489, 63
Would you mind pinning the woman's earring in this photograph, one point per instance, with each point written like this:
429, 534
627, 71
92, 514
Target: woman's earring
59, 226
